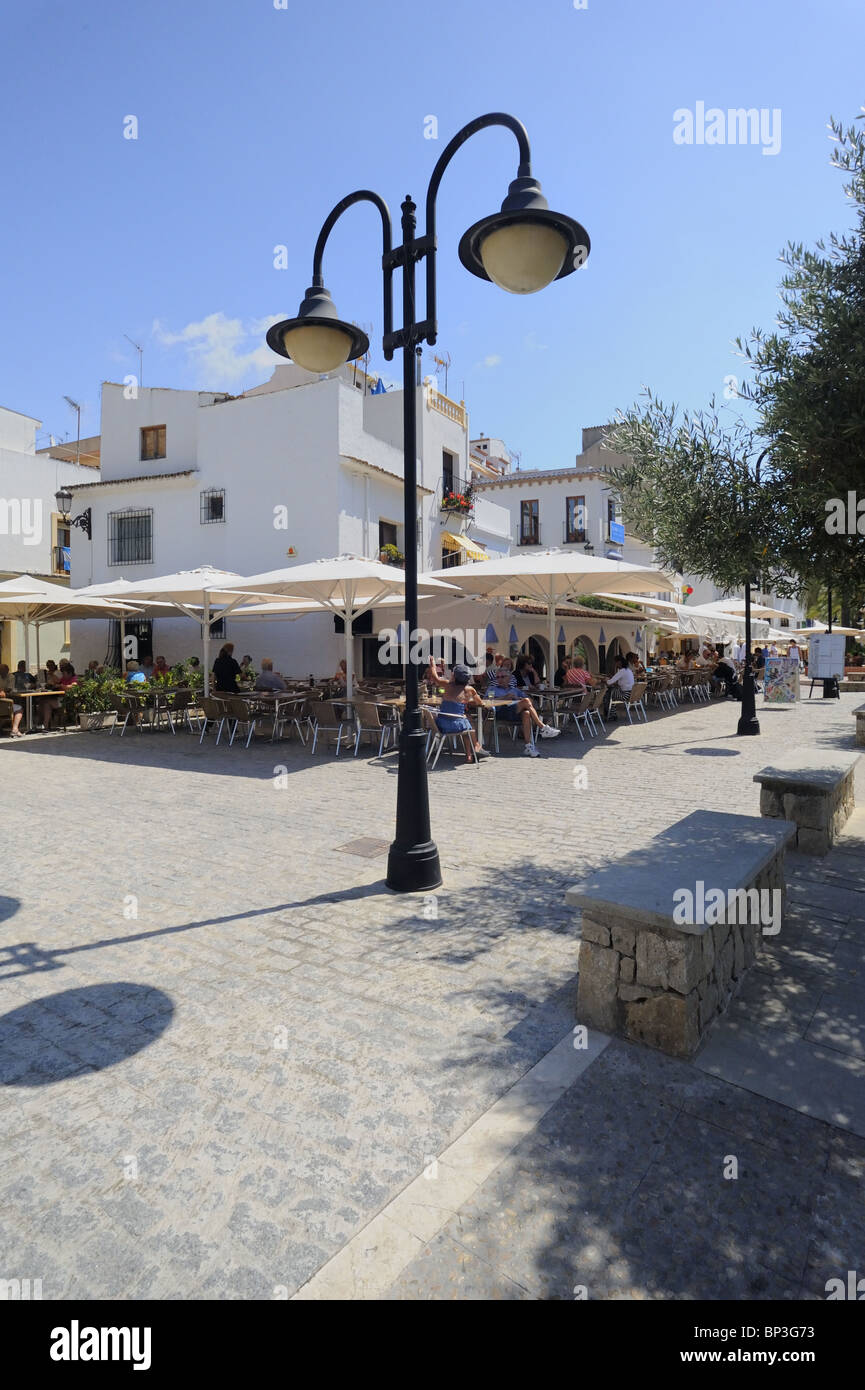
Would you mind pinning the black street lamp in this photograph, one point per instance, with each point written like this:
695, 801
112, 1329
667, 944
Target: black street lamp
63, 498
521, 248
748, 721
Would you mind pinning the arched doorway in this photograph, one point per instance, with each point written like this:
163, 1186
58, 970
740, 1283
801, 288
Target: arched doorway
615, 648
536, 647
584, 647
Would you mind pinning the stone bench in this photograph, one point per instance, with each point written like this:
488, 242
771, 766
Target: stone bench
813, 789
860, 725
649, 970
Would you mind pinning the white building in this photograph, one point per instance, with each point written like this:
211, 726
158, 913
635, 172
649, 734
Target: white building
34, 539
291, 471
577, 507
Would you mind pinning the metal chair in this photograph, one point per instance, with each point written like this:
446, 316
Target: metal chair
436, 740
325, 720
368, 721
214, 712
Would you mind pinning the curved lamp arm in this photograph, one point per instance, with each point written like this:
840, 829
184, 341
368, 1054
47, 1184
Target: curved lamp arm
524, 171
363, 195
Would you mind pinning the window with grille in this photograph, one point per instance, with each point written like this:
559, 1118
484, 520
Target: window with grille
130, 537
217, 628
153, 442
212, 505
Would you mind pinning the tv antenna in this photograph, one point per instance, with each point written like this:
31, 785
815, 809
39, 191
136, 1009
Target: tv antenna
443, 362
77, 408
140, 350
363, 361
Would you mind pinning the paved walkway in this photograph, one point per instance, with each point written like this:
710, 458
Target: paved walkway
225, 1048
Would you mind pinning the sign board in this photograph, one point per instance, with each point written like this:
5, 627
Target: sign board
617, 532
826, 656
781, 681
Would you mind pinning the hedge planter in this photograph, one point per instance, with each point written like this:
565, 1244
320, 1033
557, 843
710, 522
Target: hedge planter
98, 719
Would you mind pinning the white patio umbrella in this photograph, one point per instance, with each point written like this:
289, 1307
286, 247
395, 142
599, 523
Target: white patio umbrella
815, 627
32, 600
550, 576
117, 587
347, 586
736, 608
194, 593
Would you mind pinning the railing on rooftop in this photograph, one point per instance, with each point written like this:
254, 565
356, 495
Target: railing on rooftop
445, 406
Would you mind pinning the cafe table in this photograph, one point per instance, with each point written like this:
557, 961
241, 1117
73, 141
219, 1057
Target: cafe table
29, 696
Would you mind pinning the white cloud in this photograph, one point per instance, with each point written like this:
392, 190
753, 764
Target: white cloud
532, 343
223, 351
492, 361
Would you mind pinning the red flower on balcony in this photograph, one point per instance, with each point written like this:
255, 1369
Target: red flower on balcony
457, 502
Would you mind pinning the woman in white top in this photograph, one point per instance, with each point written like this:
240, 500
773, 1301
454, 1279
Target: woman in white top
793, 654
624, 679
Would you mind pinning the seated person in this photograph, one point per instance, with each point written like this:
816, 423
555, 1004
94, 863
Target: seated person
7, 692
525, 674
160, 670
93, 668
22, 678
493, 667
67, 675
686, 661
518, 711
451, 717
708, 656
577, 675
269, 680
134, 674
434, 672
725, 674
562, 672
623, 680
247, 670
340, 675
636, 665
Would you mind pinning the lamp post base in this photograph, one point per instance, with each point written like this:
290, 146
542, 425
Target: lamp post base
748, 724
830, 689
413, 868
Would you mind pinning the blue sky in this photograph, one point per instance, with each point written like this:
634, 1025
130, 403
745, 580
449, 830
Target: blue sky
253, 121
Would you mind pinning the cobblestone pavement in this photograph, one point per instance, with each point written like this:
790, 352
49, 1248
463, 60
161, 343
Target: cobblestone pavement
224, 1046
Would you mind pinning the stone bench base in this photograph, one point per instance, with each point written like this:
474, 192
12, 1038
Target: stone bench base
860, 725
660, 986
644, 977
816, 792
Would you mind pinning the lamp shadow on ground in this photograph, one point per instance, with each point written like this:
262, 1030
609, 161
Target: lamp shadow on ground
79, 1030
8, 907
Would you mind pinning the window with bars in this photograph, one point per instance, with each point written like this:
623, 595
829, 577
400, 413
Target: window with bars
130, 537
212, 505
217, 629
153, 442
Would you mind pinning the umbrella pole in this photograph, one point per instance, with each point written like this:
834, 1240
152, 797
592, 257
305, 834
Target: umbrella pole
551, 633
38, 660
27, 643
122, 643
348, 628
206, 643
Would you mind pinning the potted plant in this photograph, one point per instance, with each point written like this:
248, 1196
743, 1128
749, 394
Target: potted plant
458, 502
391, 555
93, 701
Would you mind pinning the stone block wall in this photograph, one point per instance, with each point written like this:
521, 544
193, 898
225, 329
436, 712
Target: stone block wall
860, 726
660, 985
819, 812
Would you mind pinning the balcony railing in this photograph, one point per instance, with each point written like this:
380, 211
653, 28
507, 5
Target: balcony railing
574, 535
60, 559
445, 406
530, 533
456, 494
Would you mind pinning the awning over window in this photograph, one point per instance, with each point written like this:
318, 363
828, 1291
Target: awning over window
452, 542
